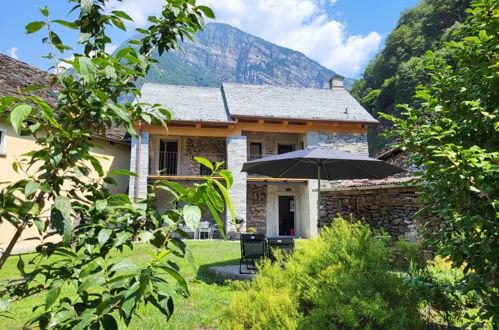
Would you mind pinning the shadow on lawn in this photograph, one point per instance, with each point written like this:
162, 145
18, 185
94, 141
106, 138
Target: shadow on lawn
204, 275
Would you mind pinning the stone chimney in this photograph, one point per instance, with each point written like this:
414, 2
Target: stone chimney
336, 82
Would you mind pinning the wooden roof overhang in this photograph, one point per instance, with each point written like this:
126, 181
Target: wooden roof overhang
250, 180
253, 124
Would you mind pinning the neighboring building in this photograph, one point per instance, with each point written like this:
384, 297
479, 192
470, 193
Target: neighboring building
236, 123
114, 147
389, 204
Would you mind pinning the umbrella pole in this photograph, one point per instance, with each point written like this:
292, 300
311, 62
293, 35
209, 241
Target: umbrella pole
318, 193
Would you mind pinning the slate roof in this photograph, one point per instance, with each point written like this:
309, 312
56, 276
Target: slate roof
294, 103
262, 101
16, 74
188, 103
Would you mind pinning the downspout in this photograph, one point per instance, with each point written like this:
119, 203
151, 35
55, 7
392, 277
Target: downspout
137, 165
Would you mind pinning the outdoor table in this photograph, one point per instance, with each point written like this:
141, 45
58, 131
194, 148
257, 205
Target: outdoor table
284, 243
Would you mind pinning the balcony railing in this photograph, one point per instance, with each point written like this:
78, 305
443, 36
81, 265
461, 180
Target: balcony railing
182, 163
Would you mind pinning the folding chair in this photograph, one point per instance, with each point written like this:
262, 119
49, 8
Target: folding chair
253, 247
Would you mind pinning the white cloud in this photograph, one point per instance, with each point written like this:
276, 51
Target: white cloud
110, 48
303, 25
13, 52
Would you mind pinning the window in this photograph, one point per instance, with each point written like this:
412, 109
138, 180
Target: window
168, 156
3, 141
283, 148
255, 151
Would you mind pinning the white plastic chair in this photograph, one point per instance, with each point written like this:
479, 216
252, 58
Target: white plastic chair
205, 227
189, 231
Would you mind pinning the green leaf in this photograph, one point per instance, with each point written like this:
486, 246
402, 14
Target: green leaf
215, 198
122, 172
44, 11
91, 282
146, 236
86, 6
205, 162
18, 115
124, 266
61, 217
227, 175
122, 238
228, 201
20, 265
67, 24
101, 205
52, 296
32, 88
217, 219
104, 235
192, 215
122, 14
85, 68
120, 113
207, 11
34, 26
5, 102
30, 188
109, 322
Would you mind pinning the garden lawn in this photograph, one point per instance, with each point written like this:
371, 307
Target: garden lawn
209, 294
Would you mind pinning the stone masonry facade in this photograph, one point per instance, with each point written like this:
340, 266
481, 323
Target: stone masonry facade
257, 208
236, 157
391, 209
212, 149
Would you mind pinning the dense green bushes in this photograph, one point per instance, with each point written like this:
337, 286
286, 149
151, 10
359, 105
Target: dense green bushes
340, 280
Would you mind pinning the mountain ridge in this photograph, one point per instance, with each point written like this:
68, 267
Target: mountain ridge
223, 53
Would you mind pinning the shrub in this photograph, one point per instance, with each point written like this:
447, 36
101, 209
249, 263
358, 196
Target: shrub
407, 253
438, 283
340, 280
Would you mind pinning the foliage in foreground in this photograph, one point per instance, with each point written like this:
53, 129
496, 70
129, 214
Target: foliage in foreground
454, 136
86, 287
340, 280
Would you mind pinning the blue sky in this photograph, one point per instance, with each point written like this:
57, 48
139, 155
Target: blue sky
342, 35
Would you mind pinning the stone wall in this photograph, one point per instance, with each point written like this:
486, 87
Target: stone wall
391, 209
212, 149
257, 208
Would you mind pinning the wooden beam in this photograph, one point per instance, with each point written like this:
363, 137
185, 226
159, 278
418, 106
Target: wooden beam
200, 178
197, 129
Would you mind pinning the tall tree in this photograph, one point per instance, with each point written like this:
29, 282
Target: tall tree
454, 136
84, 286
392, 77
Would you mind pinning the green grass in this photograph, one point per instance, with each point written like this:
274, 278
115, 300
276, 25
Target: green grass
209, 294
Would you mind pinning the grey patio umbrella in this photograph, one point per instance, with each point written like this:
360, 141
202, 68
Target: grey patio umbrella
321, 163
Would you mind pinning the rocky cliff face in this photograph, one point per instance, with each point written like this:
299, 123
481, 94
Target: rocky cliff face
224, 53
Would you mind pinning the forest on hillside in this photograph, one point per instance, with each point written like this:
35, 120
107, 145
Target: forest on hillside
393, 75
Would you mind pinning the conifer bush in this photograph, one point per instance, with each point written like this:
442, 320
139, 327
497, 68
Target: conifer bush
342, 279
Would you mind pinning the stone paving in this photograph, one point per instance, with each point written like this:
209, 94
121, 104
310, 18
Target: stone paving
231, 272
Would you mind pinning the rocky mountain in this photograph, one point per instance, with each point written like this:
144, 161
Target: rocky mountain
224, 53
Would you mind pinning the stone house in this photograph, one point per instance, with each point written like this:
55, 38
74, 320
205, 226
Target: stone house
236, 123
113, 146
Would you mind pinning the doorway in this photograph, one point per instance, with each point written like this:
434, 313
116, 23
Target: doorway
168, 157
287, 215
